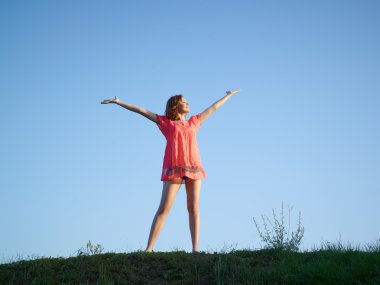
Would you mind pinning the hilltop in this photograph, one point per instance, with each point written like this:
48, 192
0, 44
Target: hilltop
178, 267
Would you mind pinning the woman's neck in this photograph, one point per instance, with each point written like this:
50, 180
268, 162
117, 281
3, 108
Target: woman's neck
182, 117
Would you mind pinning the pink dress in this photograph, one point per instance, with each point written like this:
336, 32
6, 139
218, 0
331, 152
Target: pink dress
182, 157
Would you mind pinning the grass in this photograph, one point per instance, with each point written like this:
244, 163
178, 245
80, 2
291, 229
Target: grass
329, 264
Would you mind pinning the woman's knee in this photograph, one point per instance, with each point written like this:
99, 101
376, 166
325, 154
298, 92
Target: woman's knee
193, 209
163, 210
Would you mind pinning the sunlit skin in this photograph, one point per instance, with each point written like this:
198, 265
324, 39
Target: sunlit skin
171, 188
183, 109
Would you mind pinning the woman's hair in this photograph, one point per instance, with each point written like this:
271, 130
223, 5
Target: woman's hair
171, 107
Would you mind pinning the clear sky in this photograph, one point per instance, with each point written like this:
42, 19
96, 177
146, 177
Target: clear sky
303, 130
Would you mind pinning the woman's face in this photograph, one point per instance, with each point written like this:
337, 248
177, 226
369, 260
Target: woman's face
183, 106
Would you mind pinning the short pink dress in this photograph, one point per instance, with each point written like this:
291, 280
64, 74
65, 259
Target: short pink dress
182, 156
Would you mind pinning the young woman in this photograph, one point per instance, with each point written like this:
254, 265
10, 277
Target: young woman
182, 164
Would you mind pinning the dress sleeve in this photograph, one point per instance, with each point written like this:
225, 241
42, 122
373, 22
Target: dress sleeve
163, 124
196, 120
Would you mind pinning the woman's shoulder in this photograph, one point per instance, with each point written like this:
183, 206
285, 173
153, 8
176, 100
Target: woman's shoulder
163, 119
195, 117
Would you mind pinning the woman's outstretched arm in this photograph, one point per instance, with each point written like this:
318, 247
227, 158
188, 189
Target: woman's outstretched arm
206, 113
146, 113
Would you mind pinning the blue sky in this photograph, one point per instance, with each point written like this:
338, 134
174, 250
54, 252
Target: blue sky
303, 130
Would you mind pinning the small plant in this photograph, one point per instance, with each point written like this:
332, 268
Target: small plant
90, 249
374, 246
278, 238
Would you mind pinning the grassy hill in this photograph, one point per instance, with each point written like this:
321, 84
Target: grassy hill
323, 266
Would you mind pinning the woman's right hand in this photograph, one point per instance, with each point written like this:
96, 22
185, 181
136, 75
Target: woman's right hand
108, 101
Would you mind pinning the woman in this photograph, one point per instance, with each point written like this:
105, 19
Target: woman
182, 164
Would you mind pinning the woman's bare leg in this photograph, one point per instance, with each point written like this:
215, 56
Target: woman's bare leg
193, 190
169, 191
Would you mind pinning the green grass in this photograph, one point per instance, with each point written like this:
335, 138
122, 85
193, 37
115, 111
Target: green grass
330, 264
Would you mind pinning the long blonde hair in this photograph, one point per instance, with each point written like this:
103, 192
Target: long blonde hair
171, 107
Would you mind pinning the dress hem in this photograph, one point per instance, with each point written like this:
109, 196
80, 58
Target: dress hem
170, 178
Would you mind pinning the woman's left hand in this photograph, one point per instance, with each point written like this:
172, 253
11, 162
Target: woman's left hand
108, 101
233, 92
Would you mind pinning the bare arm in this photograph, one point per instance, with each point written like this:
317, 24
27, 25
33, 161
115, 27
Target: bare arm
146, 113
206, 113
